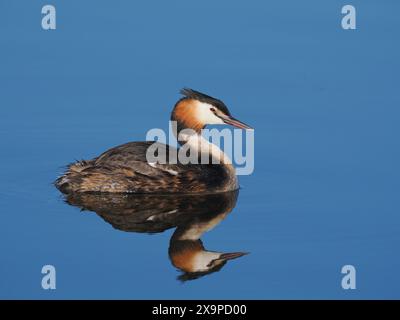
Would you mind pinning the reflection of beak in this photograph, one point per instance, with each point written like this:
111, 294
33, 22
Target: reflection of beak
232, 255
234, 122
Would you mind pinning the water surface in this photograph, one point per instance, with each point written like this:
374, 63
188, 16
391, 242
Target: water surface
324, 102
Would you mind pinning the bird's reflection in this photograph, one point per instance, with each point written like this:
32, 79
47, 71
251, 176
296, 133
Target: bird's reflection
191, 215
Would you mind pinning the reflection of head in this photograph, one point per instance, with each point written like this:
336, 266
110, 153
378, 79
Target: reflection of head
192, 215
186, 250
195, 261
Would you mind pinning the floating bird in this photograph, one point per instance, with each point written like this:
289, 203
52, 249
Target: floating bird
126, 169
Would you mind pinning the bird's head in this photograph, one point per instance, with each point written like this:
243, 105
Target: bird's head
196, 110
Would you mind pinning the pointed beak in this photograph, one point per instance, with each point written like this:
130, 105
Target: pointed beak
232, 255
234, 122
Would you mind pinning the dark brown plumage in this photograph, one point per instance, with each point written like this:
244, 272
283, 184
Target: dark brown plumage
124, 169
152, 213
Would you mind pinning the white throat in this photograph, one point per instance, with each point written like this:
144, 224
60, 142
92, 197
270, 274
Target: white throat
196, 230
203, 258
198, 144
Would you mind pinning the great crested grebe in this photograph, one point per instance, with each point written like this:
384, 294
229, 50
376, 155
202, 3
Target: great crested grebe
125, 168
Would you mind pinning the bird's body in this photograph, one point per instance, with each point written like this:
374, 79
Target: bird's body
127, 169
124, 169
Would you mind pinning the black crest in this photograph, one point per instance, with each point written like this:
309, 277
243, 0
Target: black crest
193, 94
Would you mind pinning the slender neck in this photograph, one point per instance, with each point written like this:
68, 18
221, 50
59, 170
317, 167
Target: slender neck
194, 231
205, 149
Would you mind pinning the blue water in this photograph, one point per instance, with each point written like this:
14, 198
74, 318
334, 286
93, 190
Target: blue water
324, 103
